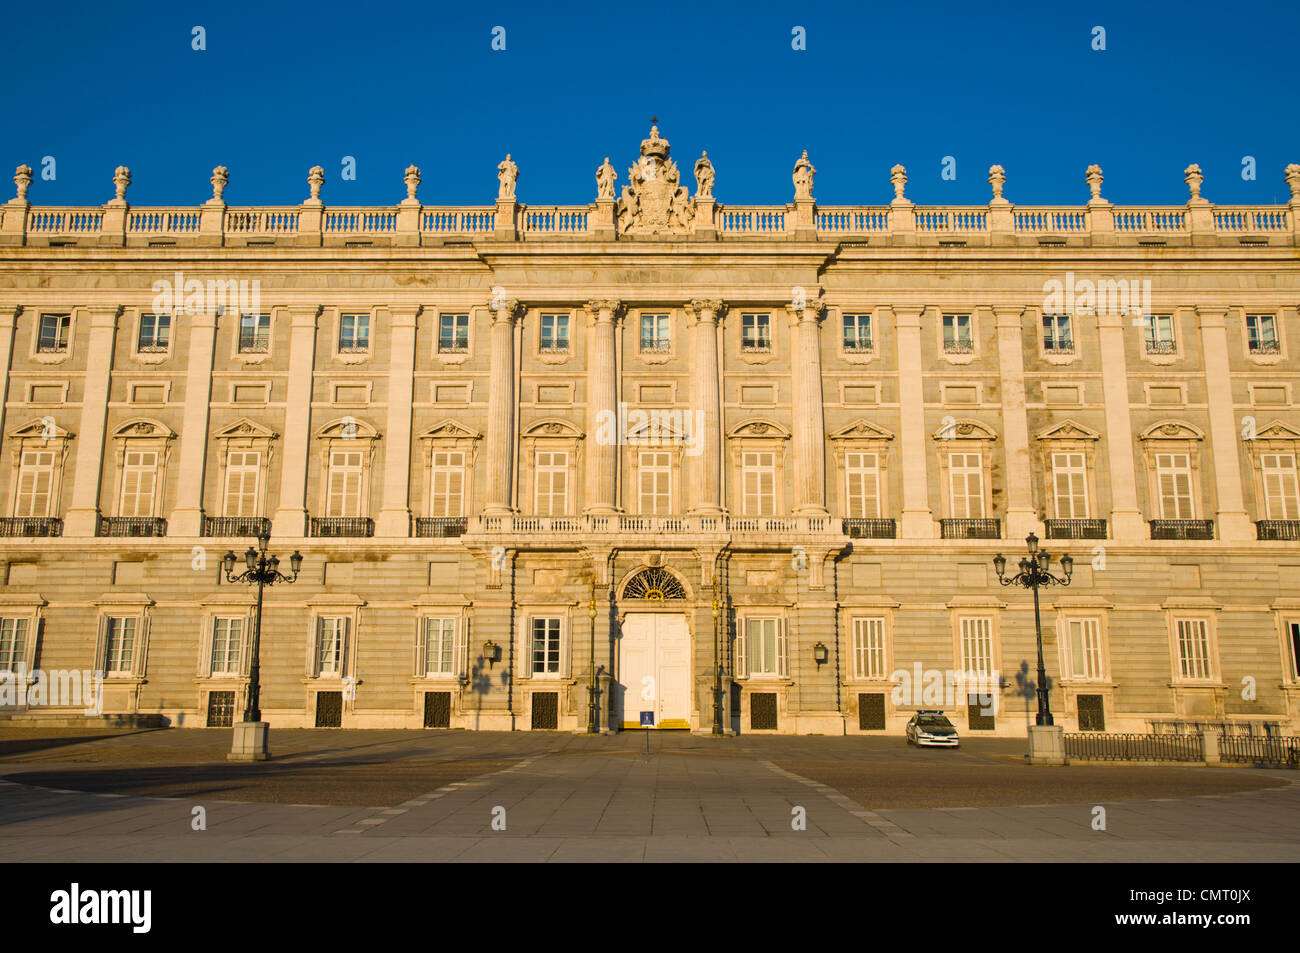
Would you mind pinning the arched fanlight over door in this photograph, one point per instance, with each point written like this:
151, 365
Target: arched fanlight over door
654, 583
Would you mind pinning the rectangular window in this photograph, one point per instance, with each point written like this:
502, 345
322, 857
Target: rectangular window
254, 333
330, 636
439, 646
1193, 648
1057, 334
656, 478
155, 333
756, 332
1281, 498
1083, 646
13, 644
1070, 485
1261, 334
555, 332
35, 480
447, 491
857, 332
957, 335
53, 335
243, 470
453, 333
1294, 631
354, 333
977, 645
654, 333
765, 646
546, 646
139, 480
1159, 334
869, 648
966, 485
119, 645
227, 646
862, 476
552, 475
344, 491
758, 473
1174, 485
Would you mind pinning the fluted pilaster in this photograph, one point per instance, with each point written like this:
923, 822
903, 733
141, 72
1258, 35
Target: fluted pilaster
706, 402
809, 413
501, 409
602, 399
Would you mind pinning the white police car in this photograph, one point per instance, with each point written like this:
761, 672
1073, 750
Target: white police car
932, 729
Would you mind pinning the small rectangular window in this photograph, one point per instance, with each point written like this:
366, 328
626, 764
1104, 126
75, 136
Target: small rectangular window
155, 334
654, 333
546, 646
1193, 648
453, 333
1069, 478
862, 479
330, 636
139, 481
1083, 645
1058, 335
35, 479
227, 645
1159, 334
447, 484
344, 489
1174, 486
756, 332
857, 333
1293, 630
977, 645
554, 332
243, 469
119, 645
966, 484
758, 473
1261, 334
957, 334
869, 648
53, 335
354, 333
655, 476
13, 644
254, 333
551, 472
765, 645
439, 645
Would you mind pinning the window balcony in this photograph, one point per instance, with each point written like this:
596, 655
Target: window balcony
1062, 346
1182, 529
131, 526
236, 527
1161, 347
440, 527
870, 528
655, 347
1278, 530
31, 526
858, 347
1076, 529
958, 347
1265, 347
970, 528
339, 526
151, 349
254, 343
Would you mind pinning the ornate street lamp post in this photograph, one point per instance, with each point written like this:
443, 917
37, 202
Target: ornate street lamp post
717, 665
1034, 573
250, 741
593, 717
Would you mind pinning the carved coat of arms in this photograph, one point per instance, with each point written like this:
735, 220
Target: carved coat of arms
654, 201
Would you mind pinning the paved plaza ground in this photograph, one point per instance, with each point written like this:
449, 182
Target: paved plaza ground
424, 796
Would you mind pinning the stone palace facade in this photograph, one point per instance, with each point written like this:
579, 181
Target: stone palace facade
705, 458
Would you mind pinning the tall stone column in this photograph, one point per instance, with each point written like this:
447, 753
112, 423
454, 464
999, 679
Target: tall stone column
1021, 518
395, 511
602, 399
917, 520
1233, 523
83, 515
1125, 518
8, 323
291, 515
809, 412
706, 404
187, 518
501, 435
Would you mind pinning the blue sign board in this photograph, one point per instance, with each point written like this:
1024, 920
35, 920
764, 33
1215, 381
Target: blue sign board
647, 719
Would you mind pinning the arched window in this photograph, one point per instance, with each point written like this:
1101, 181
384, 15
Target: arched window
654, 583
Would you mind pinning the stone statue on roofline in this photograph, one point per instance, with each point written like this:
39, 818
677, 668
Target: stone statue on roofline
704, 177
605, 179
508, 174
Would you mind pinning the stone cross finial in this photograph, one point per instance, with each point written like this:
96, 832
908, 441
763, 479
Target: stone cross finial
997, 178
803, 177
315, 179
220, 179
121, 179
1293, 180
412, 180
1192, 176
23, 180
898, 176
1094, 177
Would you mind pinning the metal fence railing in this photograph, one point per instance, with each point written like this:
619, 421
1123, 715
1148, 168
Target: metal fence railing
1256, 749
1097, 746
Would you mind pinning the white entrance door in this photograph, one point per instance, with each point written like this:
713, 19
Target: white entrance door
655, 670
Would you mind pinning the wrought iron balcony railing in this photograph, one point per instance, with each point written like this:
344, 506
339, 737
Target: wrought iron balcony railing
31, 526
1161, 347
440, 527
958, 347
861, 528
336, 526
971, 528
1278, 529
131, 526
1265, 347
1182, 529
1076, 529
236, 526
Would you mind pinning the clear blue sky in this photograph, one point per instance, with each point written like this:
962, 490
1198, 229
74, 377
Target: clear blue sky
283, 87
